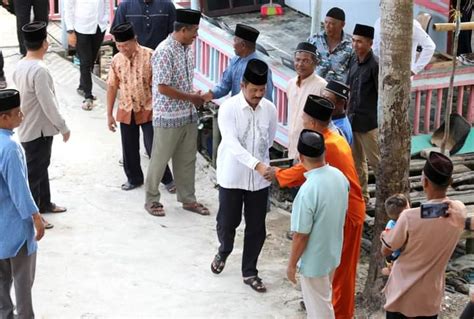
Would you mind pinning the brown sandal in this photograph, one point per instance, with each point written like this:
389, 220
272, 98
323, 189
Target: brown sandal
155, 209
197, 208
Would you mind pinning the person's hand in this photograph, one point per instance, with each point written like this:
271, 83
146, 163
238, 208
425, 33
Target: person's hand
269, 173
111, 123
72, 39
291, 273
261, 168
196, 99
456, 213
66, 136
207, 96
39, 226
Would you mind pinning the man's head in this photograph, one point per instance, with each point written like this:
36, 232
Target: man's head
35, 36
436, 176
10, 112
396, 204
125, 39
338, 93
186, 25
311, 149
245, 39
362, 39
334, 22
305, 59
254, 81
317, 112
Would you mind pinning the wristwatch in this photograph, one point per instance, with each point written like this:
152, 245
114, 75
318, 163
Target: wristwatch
467, 223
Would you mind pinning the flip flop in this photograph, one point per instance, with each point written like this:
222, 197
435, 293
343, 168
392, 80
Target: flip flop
47, 225
197, 208
155, 209
256, 284
53, 208
218, 264
171, 187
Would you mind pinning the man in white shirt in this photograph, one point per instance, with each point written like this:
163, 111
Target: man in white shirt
419, 38
247, 122
305, 83
86, 22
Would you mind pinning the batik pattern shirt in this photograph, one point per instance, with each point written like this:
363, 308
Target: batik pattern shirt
332, 65
173, 65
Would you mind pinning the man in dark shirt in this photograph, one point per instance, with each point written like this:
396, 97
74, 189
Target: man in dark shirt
151, 19
363, 83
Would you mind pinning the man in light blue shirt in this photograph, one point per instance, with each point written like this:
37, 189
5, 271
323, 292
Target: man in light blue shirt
19, 215
244, 47
318, 221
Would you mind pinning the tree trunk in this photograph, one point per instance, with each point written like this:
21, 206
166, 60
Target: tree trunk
394, 128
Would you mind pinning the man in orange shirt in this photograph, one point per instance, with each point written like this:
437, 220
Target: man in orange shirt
317, 117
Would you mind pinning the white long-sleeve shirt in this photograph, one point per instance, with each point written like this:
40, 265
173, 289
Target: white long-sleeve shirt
247, 136
84, 16
420, 38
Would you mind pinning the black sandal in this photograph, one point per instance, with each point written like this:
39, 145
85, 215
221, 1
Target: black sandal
218, 264
256, 284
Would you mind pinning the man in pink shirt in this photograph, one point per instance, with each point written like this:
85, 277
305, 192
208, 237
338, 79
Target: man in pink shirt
415, 286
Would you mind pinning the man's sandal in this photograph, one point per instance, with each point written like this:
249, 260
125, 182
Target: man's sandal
197, 208
155, 209
218, 264
256, 284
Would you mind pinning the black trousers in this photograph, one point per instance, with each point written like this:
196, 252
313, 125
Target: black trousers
130, 134
229, 217
468, 312
87, 47
23, 12
38, 158
1, 65
398, 315
464, 42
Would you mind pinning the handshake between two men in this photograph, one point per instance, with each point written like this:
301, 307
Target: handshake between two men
266, 171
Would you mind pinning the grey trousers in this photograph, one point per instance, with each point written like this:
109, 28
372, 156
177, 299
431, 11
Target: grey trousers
180, 145
19, 270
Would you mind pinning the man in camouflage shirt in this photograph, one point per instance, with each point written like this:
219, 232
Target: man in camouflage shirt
334, 47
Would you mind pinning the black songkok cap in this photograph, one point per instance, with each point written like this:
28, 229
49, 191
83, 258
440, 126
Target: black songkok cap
306, 47
438, 168
256, 72
311, 143
188, 16
318, 107
9, 99
123, 32
247, 33
336, 13
338, 88
364, 30
35, 31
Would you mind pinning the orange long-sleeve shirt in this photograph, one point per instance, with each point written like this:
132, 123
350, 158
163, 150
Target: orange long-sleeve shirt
338, 155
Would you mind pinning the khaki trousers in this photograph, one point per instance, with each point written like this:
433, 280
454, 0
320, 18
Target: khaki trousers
317, 296
180, 145
365, 147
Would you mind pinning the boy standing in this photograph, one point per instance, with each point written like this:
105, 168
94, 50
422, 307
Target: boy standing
19, 216
42, 117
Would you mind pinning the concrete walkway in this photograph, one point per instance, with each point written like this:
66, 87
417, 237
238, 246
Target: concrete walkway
107, 258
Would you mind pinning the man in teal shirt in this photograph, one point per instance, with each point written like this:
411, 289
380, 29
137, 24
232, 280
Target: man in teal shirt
19, 215
317, 219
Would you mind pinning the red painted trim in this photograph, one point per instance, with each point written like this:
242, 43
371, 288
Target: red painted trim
460, 99
438, 108
427, 121
433, 5
416, 119
470, 110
